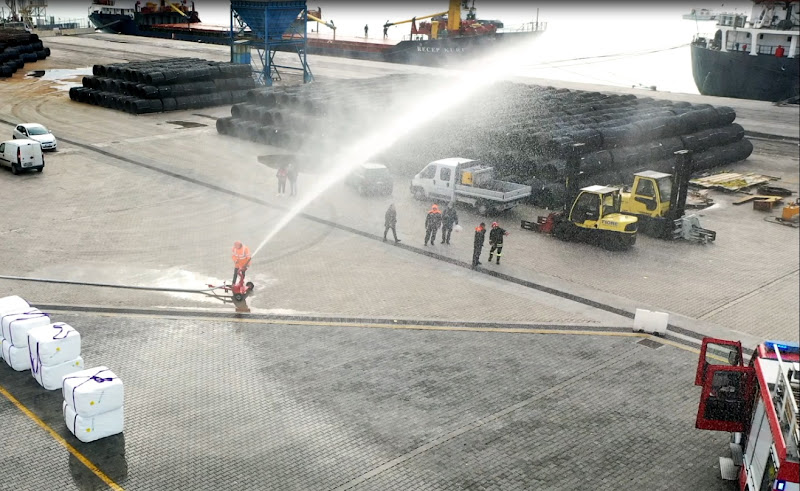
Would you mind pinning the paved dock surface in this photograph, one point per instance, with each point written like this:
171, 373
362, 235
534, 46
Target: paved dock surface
251, 403
244, 404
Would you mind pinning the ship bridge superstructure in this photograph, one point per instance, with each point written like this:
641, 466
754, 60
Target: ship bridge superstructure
772, 29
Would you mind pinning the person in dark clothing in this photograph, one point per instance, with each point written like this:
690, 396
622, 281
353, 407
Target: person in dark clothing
366, 30
449, 219
281, 175
432, 223
480, 235
386, 29
390, 222
496, 241
291, 173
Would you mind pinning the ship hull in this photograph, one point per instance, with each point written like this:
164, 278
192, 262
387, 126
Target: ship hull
738, 74
432, 52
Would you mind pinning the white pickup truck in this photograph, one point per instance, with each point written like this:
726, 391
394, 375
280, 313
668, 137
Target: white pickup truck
467, 181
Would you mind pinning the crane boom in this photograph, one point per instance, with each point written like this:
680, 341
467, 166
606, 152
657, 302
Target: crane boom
315, 19
389, 24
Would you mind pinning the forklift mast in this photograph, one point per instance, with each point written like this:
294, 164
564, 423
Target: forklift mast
680, 184
572, 170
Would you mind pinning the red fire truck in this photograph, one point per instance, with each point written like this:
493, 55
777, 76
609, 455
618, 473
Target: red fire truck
756, 403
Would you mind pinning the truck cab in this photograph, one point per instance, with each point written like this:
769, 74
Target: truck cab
438, 179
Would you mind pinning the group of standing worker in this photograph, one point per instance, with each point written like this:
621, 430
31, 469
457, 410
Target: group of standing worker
436, 219
447, 221
495, 242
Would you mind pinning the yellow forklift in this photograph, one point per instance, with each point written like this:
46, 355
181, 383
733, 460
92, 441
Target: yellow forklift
594, 217
592, 214
658, 200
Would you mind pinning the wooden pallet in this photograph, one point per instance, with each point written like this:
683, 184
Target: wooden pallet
731, 181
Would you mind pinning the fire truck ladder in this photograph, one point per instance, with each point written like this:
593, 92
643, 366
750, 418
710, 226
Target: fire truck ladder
787, 390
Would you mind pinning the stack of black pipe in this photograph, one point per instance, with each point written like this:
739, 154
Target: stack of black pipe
317, 117
18, 47
524, 131
164, 85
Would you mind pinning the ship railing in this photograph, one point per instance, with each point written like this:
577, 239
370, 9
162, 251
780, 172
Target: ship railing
59, 23
785, 401
526, 27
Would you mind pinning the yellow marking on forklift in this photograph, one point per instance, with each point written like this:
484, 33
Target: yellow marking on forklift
88, 463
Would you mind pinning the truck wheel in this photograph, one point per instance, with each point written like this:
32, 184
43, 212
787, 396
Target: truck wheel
15, 170
419, 193
482, 207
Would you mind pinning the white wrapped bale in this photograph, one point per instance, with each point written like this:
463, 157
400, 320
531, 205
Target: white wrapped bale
9, 305
53, 344
13, 303
50, 377
15, 326
16, 358
93, 391
90, 428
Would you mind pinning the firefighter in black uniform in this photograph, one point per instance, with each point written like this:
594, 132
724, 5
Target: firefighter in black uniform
480, 235
449, 220
432, 223
496, 241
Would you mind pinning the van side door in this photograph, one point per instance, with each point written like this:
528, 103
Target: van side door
426, 177
443, 184
3, 159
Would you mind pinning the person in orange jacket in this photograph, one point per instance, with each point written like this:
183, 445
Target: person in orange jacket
432, 223
241, 259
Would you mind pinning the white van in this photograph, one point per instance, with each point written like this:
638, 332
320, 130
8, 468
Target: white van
22, 155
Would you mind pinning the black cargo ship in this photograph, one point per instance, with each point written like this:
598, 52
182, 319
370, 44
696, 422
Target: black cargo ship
428, 43
756, 59
106, 16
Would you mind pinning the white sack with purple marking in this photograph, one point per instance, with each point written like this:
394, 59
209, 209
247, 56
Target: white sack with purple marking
50, 377
16, 326
93, 391
13, 303
91, 428
16, 358
53, 345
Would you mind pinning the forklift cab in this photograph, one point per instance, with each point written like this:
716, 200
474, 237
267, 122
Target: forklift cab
650, 195
727, 386
593, 204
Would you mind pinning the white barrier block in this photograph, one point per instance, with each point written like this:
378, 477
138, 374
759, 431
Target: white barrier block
50, 377
53, 345
91, 428
651, 322
12, 303
93, 391
16, 358
16, 326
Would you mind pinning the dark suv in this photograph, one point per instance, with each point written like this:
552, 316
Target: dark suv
371, 179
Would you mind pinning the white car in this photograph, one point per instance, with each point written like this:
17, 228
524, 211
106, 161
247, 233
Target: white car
36, 132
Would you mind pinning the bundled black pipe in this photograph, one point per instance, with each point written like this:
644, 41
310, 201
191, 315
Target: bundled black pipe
171, 84
18, 47
524, 131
